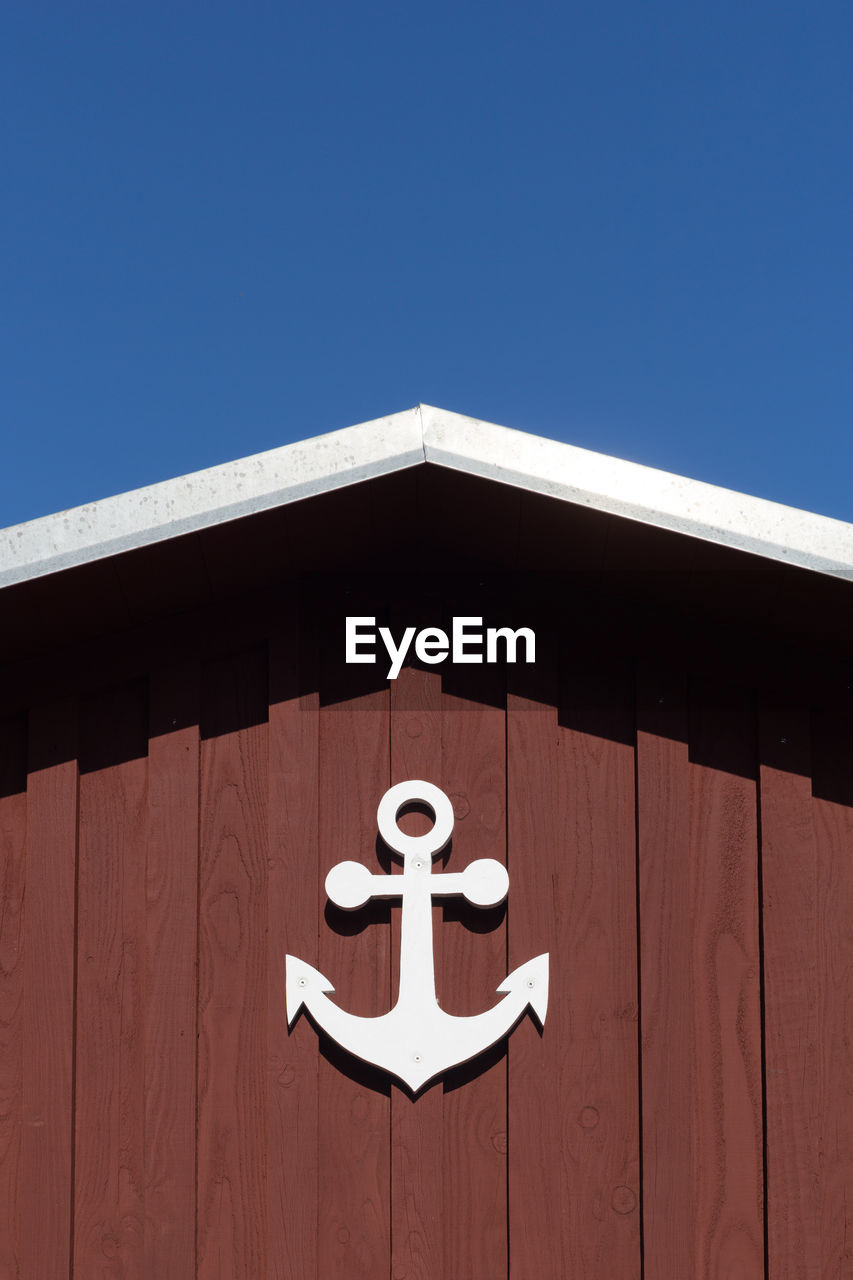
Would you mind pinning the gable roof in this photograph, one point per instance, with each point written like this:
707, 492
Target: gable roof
415, 437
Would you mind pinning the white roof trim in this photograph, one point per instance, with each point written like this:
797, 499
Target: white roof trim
424, 434
204, 498
641, 493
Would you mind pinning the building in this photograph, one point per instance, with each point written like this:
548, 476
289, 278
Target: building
185, 753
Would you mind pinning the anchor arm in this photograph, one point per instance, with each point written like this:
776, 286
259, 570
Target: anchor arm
301, 982
531, 981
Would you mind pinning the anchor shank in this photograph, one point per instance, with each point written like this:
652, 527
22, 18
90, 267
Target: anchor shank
417, 967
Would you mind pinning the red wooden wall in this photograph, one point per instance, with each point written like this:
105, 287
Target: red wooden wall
680, 840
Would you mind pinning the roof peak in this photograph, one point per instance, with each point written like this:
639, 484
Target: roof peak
412, 437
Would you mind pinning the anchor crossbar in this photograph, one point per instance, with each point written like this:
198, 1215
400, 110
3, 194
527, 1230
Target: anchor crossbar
484, 883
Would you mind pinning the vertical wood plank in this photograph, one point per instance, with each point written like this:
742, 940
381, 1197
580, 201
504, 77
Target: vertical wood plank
13, 831
46, 1172
701, 1031
574, 1128
292, 1089
232, 1011
598, 736
109, 1119
832, 734
536, 853
417, 1147
354, 1100
792, 1030
666, 976
170, 989
726, 966
474, 1215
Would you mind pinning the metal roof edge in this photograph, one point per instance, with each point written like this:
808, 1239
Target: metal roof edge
368, 450
563, 471
205, 498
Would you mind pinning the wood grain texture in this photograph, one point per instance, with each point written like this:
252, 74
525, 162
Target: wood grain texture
417, 1146
473, 965
48, 1040
171, 924
701, 1041
13, 990
574, 1093
792, 1032
832, 733
232, 1010
294, 889
354, 952
726, 1017
536, 853
670, 1158
597, 735
109, 1116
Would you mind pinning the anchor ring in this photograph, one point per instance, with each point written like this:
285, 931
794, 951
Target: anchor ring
415, 792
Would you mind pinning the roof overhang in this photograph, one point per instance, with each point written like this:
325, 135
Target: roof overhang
415, 437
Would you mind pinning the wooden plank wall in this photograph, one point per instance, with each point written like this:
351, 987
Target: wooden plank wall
682, 849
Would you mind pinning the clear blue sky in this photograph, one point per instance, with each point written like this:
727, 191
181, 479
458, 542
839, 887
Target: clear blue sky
228, 226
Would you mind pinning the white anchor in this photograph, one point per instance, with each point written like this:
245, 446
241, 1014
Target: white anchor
417, 1040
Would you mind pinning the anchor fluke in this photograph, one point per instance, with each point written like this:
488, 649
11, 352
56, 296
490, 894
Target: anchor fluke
301, 982
531, 981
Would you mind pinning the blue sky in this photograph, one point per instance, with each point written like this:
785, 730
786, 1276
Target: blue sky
228, 226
